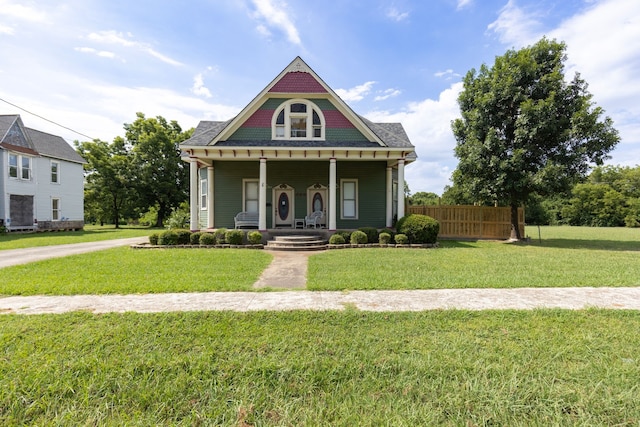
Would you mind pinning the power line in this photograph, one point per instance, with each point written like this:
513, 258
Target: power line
44, 118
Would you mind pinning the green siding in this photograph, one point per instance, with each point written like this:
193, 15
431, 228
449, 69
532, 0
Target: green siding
342, 135
251, 134
300, 175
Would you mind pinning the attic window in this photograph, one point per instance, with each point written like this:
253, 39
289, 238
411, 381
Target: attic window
298, 119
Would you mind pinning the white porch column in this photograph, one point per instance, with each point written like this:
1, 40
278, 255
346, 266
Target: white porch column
210, 187
262, 197
332, 194
389, 221
400, 188
193, 193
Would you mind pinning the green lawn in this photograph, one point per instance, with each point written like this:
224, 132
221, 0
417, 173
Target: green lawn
516, 368
567, 256
91, 233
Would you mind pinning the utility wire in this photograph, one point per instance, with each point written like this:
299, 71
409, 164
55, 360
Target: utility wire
44, 118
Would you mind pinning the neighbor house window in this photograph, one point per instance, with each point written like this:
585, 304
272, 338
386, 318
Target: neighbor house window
55, 209
298, 119
55, 170
203, 194
250, 196
19, 166
349, 198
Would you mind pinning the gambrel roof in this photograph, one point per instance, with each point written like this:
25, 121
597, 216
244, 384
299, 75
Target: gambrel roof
299, 81
16, 137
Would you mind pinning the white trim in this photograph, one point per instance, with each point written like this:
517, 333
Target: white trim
342, 198
19, 167
58, 210
57, 163
245, 181
204, 194
288, 115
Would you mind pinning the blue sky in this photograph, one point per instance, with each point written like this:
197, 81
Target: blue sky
91, 65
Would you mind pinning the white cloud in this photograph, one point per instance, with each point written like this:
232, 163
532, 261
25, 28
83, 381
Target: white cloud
447, 74
394, 14
389, 93
276, 15
6, 30
428, 125
199, 88
118, 38
22, 12
356, 93
463, 3
515, 26
101, 53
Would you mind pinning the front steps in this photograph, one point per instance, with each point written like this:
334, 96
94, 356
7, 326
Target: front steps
296, 243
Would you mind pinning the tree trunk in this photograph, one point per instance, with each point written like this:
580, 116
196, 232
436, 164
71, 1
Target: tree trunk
515, 229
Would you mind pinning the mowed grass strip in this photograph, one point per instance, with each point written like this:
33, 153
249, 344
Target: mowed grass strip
567, 256
90, 233
543, 367
128, 271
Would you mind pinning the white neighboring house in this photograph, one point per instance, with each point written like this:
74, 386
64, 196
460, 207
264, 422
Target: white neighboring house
41, 179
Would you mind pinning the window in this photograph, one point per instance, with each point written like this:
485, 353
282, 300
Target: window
298, 119
250, 196
349, 194
55, 168
55, 209
19, 166
13, 165
203, 194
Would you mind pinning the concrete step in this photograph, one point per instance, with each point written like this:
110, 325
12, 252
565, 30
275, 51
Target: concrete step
296, 243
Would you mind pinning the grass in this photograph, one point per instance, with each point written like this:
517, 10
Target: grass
91, 233
127, 271
517, 368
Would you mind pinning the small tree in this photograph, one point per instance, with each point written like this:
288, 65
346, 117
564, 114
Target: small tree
526, 130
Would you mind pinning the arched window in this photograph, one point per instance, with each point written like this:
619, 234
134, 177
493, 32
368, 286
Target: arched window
298, 119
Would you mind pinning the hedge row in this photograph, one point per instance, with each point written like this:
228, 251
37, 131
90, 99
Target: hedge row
411, 229
221, 236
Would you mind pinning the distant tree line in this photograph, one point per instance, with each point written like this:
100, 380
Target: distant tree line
136, 178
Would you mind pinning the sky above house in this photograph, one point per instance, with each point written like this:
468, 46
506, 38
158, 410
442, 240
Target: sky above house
91, 65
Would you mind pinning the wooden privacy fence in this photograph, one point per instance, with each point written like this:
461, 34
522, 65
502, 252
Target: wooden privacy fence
472, 222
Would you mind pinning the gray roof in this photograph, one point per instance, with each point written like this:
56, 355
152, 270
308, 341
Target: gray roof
391, 134
43, 143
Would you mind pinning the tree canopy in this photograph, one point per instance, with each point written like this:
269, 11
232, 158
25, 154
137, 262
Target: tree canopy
525, 130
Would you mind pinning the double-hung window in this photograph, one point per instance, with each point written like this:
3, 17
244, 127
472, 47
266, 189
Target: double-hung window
13, 165
55, 172
19, 166
349, 196
203, 194
250, 195
55, 209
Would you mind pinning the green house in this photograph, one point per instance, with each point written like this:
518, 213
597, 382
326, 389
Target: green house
295, 150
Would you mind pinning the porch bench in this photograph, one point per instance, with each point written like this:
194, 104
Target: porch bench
246, 219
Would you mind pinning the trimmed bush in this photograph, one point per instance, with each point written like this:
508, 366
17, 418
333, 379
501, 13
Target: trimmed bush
168, 238
346, 235
336, 239
153, 238
400, 222
358, 238
234, 237
384, 238
184, 236
371, 232
254, 237
220, 234
194, 239
207, 239
389, 231
420, 228
401, 239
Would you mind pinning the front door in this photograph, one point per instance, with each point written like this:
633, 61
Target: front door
317, 201
283, 211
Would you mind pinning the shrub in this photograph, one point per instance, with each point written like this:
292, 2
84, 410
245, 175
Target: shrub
207, 239
336, 239
384, 238
400, 222
346, 235
420, 228
234, 237
194, 239
220, 234
184, 236
389, 231
401, 239
358, 238
254, 237
153, 238
179, 217
167, 238
371, 232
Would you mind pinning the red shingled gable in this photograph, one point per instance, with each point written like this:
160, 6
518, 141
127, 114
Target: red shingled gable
298, 82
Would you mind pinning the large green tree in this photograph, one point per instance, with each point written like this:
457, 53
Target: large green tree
108, 179
161, 179
526, 130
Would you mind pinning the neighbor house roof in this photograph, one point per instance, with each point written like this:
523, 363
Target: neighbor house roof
35, 141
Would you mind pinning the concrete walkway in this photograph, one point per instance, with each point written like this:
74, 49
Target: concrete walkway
288, 271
